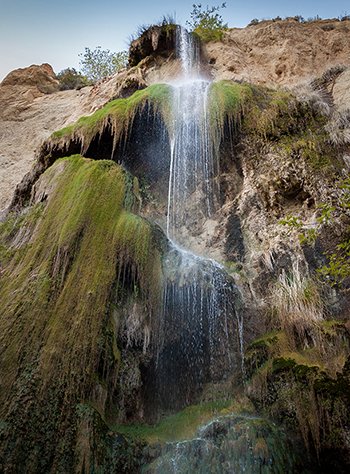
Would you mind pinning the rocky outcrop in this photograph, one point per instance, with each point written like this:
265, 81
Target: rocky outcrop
28, 115
41, 77
282, 52
155, 41
84, 344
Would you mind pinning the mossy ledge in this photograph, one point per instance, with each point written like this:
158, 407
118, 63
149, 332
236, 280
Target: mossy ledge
58, 333
305, 388
118, 115
235, 110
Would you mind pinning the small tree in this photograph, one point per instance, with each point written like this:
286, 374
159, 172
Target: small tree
207, 23
99, 63
71, 79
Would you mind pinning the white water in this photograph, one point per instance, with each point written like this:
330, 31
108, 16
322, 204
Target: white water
194, 161
199, 296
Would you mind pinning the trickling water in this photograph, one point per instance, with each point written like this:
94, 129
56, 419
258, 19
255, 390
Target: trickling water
197, 329
194, 158
199, 321
227, 445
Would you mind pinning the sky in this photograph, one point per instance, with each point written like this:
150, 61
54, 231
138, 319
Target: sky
40, 31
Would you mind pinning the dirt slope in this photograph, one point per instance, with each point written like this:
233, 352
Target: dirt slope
282, 52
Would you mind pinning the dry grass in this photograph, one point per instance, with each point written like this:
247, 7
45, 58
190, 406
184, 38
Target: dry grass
298, 306
338, 128
317, 99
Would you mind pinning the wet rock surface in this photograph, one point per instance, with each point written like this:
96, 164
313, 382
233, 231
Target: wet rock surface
230, 444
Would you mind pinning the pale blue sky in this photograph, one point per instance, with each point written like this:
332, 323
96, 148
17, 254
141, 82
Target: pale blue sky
37, 31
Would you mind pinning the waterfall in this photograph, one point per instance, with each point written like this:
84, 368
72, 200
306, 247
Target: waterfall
229, 444
199, 323
194, 159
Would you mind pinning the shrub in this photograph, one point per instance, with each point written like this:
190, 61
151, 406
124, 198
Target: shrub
207, 24
254, 21
71, 79
99, 63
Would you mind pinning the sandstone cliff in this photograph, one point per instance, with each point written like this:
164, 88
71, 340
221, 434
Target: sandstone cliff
114, 340
271, 53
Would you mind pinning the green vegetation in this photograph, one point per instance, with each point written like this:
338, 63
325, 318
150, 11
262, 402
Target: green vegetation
71, 79
306, 388
117, 114
182, 425
312, 146
299, 19
82, 242
207, 24
292, 222
338, 267
228, 102
57, 335
273, 114
99, 63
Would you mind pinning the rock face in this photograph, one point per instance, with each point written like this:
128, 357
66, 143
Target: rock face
282, 52
41, 77
31, 108
92, 311
157, 40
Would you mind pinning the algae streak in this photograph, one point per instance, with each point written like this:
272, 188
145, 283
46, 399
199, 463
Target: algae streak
57, 336
117, 114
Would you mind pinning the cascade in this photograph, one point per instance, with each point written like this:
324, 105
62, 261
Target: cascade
229, 444
194, 159
200, 322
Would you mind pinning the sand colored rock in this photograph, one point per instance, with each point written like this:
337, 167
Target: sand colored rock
28, 116
341, 91
281, 52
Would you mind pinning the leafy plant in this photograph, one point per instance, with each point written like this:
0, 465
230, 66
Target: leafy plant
71, 79
308, 236
293, 222
207, 23
99, 63
338, 267
326, 213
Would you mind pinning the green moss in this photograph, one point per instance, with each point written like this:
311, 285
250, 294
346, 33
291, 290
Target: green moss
180, 426
56, 333
301, 371
227, 102
117, 114
11, 227
310, 145
266, 341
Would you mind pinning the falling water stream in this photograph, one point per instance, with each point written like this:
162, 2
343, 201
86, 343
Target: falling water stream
200, 324
201, 328
194, 159
201, 319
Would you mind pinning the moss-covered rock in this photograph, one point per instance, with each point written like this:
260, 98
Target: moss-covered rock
117, 115
308, 389
232, 443
58, 337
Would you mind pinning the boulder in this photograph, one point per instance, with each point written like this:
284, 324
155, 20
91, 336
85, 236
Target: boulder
156, 41
41, 77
